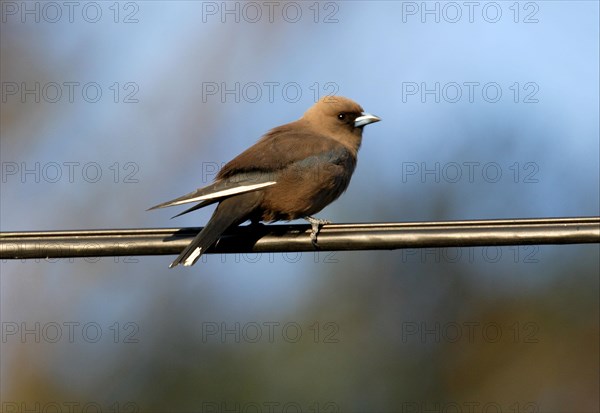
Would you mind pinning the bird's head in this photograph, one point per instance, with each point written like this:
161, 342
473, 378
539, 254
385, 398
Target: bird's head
339, 118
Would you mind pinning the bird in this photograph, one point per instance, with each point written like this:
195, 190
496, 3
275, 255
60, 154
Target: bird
292, 172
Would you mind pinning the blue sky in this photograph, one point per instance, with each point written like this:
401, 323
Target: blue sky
485, 115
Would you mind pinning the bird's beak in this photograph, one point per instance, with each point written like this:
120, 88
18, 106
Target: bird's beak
365, 119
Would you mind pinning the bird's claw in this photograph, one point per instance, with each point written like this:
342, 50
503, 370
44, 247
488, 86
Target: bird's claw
316, 224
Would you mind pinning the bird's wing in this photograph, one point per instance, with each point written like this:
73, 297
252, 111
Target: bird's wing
278, 149
197, 206
258, 166
222, 188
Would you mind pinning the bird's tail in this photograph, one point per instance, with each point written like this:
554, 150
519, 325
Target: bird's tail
231, 211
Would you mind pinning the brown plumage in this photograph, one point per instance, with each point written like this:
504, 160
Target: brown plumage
293, 171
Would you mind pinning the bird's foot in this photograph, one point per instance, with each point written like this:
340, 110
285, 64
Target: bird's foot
316, 224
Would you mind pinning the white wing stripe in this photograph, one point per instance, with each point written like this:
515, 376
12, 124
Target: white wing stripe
226, 192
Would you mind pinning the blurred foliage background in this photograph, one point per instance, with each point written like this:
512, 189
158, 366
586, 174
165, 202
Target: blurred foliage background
489, 111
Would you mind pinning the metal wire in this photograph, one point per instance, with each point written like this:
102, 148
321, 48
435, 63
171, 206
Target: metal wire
295, 238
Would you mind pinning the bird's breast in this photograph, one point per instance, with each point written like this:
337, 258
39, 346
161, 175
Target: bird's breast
306, 187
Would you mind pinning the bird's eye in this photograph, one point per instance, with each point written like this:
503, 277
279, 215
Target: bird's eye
342, 116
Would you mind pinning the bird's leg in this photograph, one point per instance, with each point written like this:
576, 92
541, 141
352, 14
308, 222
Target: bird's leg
316, 227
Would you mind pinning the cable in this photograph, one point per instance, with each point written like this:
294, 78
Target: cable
295, 238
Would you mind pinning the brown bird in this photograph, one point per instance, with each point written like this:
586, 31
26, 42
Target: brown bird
293, 171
